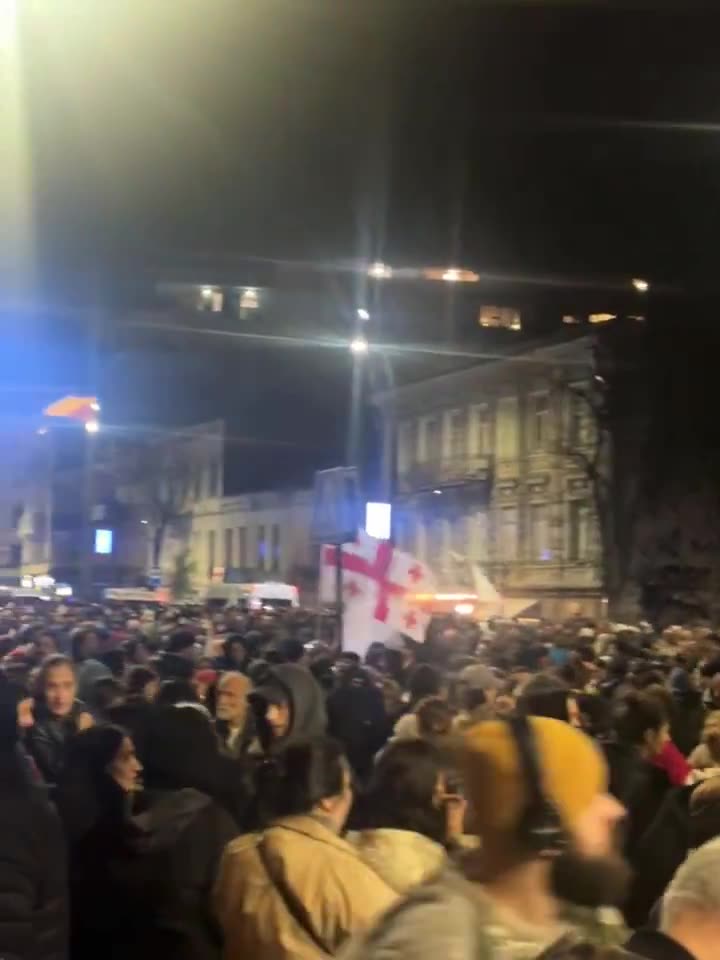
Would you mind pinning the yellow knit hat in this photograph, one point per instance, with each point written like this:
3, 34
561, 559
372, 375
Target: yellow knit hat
572, 769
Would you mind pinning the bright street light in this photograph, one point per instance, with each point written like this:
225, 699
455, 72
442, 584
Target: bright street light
358, 345
451, 275
363, 314
95, 406
92, 426
380, 271
642, 286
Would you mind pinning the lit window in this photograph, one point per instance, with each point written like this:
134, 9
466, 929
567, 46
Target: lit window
601, 317
249, 299
506, 318
211, 300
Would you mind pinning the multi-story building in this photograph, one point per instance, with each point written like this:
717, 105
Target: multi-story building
489, 473
254, 536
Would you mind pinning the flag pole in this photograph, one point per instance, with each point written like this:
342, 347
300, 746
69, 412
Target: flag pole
339, 595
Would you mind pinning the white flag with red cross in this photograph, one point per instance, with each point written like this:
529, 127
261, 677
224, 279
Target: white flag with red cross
379, 588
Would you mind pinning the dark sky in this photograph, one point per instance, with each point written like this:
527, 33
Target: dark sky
574, 139
516, 135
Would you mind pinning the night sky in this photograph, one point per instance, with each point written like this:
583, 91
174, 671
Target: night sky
572, 140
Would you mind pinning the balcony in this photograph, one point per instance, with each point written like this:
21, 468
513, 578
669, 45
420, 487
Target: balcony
445, 472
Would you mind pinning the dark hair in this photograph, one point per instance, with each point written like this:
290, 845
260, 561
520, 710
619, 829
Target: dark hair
176, 691
376, 655
434, 717
403, 787
595, 714
52, 662
292, 650
180, 640
87, 793
132, 644
138, 678
299, 776
78, 639
634, 715
424, 681
544, 696
104, 693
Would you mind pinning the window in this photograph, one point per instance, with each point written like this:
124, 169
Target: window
406, 449
431, 440
539, 533
505, 317
508, 534
458, 434
578, 530
275, 546
578, 421
210, 552
242, 547
214, 479
228, 548
539, 421
481, 436
261, 548
507, 428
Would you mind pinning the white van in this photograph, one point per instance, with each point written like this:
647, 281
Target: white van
254, 595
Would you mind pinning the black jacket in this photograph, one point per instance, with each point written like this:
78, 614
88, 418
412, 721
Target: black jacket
640, 787
47, 741
656, 946
141, 888
33, 879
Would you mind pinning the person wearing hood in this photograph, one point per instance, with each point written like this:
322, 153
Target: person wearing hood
88, 668
288, 705
143, 863
33, 883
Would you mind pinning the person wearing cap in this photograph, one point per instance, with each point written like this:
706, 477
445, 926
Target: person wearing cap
526, 889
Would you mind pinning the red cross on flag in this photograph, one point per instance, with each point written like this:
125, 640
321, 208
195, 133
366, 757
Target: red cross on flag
378, 584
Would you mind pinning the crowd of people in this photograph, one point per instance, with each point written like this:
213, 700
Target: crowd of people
230, 784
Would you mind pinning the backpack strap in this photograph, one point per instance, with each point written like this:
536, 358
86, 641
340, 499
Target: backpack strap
292, 902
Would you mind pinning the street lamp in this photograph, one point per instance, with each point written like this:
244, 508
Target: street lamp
642, 286
359, 346
92, 426
363, 314
380, 271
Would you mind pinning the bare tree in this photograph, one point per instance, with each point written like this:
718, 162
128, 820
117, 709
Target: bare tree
612, 454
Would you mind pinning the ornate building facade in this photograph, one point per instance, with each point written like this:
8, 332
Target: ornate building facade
489, 472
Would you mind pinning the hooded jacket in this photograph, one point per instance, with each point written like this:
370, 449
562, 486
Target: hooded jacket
298, 687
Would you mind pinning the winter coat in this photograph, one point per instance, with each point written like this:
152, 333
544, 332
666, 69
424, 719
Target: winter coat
48, 739
451, 917
180, 749
357, 718
402, 858
640, 786
295, 892
141, 887
33, 880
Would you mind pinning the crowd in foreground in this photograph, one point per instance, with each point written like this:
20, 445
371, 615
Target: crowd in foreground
199, 786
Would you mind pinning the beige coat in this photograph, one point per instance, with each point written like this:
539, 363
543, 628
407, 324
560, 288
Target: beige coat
338, 893
402, 858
